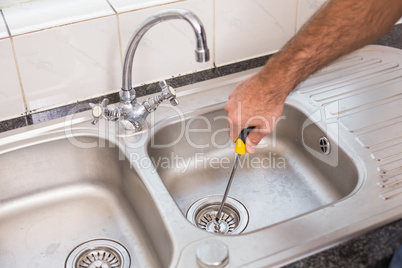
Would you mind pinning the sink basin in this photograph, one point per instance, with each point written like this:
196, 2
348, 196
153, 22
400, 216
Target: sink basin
55, 196
287, 177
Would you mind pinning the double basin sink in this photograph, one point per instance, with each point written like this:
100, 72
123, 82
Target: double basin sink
75, 194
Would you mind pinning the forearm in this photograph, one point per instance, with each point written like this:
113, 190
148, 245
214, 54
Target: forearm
338, 28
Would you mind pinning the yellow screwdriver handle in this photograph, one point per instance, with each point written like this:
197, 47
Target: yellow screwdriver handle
240, 146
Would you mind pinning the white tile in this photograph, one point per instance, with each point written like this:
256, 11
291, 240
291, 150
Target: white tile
64, 64
9, 3
43, 14
11, 102
128, 5
167, 49
3, 29
306, 9
246, 29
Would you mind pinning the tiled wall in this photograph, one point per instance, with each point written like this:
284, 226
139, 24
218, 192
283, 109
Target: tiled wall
57, 52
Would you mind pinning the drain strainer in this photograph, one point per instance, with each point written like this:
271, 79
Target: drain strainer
234, 218
100, 253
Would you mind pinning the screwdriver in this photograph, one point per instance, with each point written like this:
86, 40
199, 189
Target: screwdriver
240, 149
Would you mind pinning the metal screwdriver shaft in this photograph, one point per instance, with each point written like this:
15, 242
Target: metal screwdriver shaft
218, 216
240, 149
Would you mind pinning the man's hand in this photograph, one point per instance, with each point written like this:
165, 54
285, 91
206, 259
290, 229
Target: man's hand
255, 102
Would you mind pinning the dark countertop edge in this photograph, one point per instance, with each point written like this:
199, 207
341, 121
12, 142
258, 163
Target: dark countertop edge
373, 249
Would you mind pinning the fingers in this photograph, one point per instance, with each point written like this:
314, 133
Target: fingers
240, 119
234, 127
250, 148
253, 102
253, 139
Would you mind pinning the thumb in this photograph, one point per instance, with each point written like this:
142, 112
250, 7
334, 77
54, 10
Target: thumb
253, 139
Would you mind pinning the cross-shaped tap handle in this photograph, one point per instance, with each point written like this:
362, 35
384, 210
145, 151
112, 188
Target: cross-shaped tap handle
98, 110
168, 93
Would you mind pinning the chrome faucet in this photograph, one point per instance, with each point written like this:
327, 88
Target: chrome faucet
130, 113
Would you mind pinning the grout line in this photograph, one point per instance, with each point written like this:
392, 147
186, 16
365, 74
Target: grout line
156, 5
19, 75
62, 25
118, 31
120, 42
297, 15
214, 34
16, 64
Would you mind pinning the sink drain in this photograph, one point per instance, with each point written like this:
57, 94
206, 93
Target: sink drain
234, 217
100, 253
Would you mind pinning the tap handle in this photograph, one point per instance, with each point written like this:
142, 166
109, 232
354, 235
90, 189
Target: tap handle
98, 110
168, 93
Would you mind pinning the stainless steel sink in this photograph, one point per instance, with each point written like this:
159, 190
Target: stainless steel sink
329, 172
55, 196
280, 181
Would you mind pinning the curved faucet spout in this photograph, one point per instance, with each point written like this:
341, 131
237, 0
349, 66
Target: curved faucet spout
201, 51
131, 113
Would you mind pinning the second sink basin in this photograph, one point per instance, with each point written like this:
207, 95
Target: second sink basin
56, 196
298, 169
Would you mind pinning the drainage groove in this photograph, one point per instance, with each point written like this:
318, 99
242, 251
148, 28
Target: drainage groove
100, 253
234, 217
